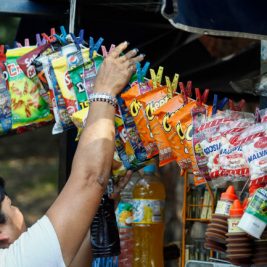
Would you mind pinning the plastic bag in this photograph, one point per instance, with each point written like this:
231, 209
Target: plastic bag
138, 114
26, 103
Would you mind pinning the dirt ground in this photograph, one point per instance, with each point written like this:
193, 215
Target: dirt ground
29, 164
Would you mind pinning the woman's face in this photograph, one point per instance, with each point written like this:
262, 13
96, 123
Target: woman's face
14, 225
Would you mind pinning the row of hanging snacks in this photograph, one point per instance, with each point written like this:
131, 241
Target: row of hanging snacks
229, 141
55, 78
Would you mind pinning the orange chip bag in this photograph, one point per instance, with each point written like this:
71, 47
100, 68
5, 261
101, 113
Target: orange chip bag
182, 122
150, 102
165, 138
135, 107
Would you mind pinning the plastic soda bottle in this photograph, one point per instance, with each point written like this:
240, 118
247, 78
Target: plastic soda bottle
124, 217
148, 224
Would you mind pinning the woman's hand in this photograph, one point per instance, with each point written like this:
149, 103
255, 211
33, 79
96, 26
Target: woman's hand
117, 69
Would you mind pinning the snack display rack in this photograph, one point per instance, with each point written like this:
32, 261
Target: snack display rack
186, 208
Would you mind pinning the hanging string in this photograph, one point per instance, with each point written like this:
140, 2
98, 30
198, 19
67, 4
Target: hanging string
72, 16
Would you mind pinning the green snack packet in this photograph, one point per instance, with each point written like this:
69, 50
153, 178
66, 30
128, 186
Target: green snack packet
27, 105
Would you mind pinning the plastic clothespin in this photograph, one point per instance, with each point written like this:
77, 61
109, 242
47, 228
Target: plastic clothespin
50, 38
218, 106
156, 79
39, 41
63, 37
75, 40
141, 72
17, 44
2, 49
186, 91
201, 99
237, 106
104, 50
172, 87
94, 46
81, 36
26, 42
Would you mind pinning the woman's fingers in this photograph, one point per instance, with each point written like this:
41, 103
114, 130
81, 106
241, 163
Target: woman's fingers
131, 63
115, 53
128, 55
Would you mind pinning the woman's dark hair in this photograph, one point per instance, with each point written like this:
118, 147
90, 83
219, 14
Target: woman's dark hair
2, 196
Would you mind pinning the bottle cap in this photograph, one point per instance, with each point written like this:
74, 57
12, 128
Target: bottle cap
150, 168
229, 194
236, 209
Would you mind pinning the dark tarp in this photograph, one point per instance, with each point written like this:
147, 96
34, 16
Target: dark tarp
236, 18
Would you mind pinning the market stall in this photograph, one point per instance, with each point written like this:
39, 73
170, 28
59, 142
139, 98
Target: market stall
217, 145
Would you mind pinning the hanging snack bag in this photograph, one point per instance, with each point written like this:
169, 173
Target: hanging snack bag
233, 165
3, 63
5, 101
263, 115
25, 63
150, 102
159, 127
163, 115
82, 72
205, 134
135, 108
123, 145
5, 106
204, 126
255, 152
62, 119
26, 103
128, 120
225, 161
182, 122
61, 66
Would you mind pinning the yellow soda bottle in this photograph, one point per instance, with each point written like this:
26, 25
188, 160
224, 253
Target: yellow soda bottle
148, 224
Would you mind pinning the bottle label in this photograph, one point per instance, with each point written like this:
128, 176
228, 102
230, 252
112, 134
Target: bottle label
258, 205
147, 211
233, 226
124, 215
223, 208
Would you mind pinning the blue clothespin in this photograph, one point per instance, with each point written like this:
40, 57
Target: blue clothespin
218, 106
81, 36
94, 46
141, 72
75, 40
63, 37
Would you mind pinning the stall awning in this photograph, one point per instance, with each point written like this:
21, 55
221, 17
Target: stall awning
235, 18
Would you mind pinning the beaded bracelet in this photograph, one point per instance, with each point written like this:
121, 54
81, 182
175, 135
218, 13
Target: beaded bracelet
103, 97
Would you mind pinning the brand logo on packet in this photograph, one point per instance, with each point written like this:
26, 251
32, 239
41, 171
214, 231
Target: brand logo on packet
28, 61
166, 126
257, 155
262, 143
153, 106
31, 72
135, 107
13, 70
73, 60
